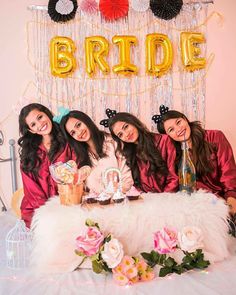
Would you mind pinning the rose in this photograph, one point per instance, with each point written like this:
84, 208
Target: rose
112, 253
190, 239
90, 242
165, 241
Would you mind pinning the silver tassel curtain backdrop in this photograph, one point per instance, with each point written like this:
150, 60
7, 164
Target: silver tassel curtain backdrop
139, 94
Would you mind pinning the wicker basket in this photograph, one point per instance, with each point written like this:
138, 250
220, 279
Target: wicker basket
70, 194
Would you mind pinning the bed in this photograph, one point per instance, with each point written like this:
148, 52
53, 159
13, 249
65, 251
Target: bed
219, 278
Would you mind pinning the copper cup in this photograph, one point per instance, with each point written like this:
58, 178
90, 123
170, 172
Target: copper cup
70, 194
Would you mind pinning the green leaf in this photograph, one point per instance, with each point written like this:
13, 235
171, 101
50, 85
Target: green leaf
155, 255
187, 259
202, 264
97, 267
107, 238
91, 223
79, 253
170, 262
146, 256
94, 257
178, 269
105, 267
164, 271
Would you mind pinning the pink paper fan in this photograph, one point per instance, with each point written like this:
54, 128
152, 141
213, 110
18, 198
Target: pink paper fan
89, 6
140, 5
113, 9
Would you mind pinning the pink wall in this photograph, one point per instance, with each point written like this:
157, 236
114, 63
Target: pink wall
16, 73
221, 78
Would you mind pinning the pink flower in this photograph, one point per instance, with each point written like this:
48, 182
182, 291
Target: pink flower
126, 263
120, 279
165, 241
190, 238
147, 276
141, 266
132, 272
118, 269
90, 242
112, 253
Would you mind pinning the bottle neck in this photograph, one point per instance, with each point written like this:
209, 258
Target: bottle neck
185, 151
184, 146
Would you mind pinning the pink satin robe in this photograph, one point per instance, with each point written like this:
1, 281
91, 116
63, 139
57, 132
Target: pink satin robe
38, 191
167, 183
95, 181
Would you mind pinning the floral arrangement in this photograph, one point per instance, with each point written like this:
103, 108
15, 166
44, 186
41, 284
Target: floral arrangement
107, 254
166, 241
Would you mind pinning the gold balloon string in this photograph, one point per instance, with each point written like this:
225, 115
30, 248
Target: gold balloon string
208, 65
57, 100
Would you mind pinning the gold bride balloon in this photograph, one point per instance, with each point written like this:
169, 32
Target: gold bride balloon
190, 52
153, 41
125, 67
96, 47
62, 60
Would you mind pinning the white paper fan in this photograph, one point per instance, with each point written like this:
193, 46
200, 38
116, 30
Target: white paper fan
140, 5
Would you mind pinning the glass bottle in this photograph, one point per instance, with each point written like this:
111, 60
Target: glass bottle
186, 171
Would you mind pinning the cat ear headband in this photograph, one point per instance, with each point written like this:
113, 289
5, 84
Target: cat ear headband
110, 114
158, 118
61, 113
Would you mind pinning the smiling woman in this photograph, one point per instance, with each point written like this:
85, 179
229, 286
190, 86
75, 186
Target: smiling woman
41, 144
94, 148
150, 156
211, 153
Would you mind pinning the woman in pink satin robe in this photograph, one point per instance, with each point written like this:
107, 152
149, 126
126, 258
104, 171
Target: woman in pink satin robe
150, 156
41, 144
94, 148
211, 153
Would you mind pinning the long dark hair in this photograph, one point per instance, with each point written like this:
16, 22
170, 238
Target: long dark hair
201, 149
81, 149
29, 142
144, 150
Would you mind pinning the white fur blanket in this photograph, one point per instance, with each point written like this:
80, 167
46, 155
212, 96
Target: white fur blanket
56, 227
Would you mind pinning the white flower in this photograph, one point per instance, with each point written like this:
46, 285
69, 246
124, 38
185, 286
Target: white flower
190, 239
112, 253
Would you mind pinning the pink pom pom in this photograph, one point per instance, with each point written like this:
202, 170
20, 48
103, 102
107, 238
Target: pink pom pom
89, 6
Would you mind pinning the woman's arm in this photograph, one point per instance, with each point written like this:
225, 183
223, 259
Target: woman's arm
126, 175
226, 165
168, 153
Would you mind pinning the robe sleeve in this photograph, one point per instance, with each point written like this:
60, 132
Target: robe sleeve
126, 175
227, 166
34, 197
168, 153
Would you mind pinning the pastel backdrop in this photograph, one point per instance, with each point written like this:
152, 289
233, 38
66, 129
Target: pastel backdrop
16, 74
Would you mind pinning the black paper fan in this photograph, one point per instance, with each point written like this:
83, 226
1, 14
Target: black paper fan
62, 10
166, 9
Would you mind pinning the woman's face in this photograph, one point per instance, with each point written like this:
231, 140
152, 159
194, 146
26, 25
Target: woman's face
78, 130
178, 129
38, 123
126, 132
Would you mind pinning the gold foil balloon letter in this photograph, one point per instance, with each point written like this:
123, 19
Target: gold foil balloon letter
96, 47
190, 52
153, 41
62, 60
125, 67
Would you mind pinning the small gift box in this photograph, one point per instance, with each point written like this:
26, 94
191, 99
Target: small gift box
70, 194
